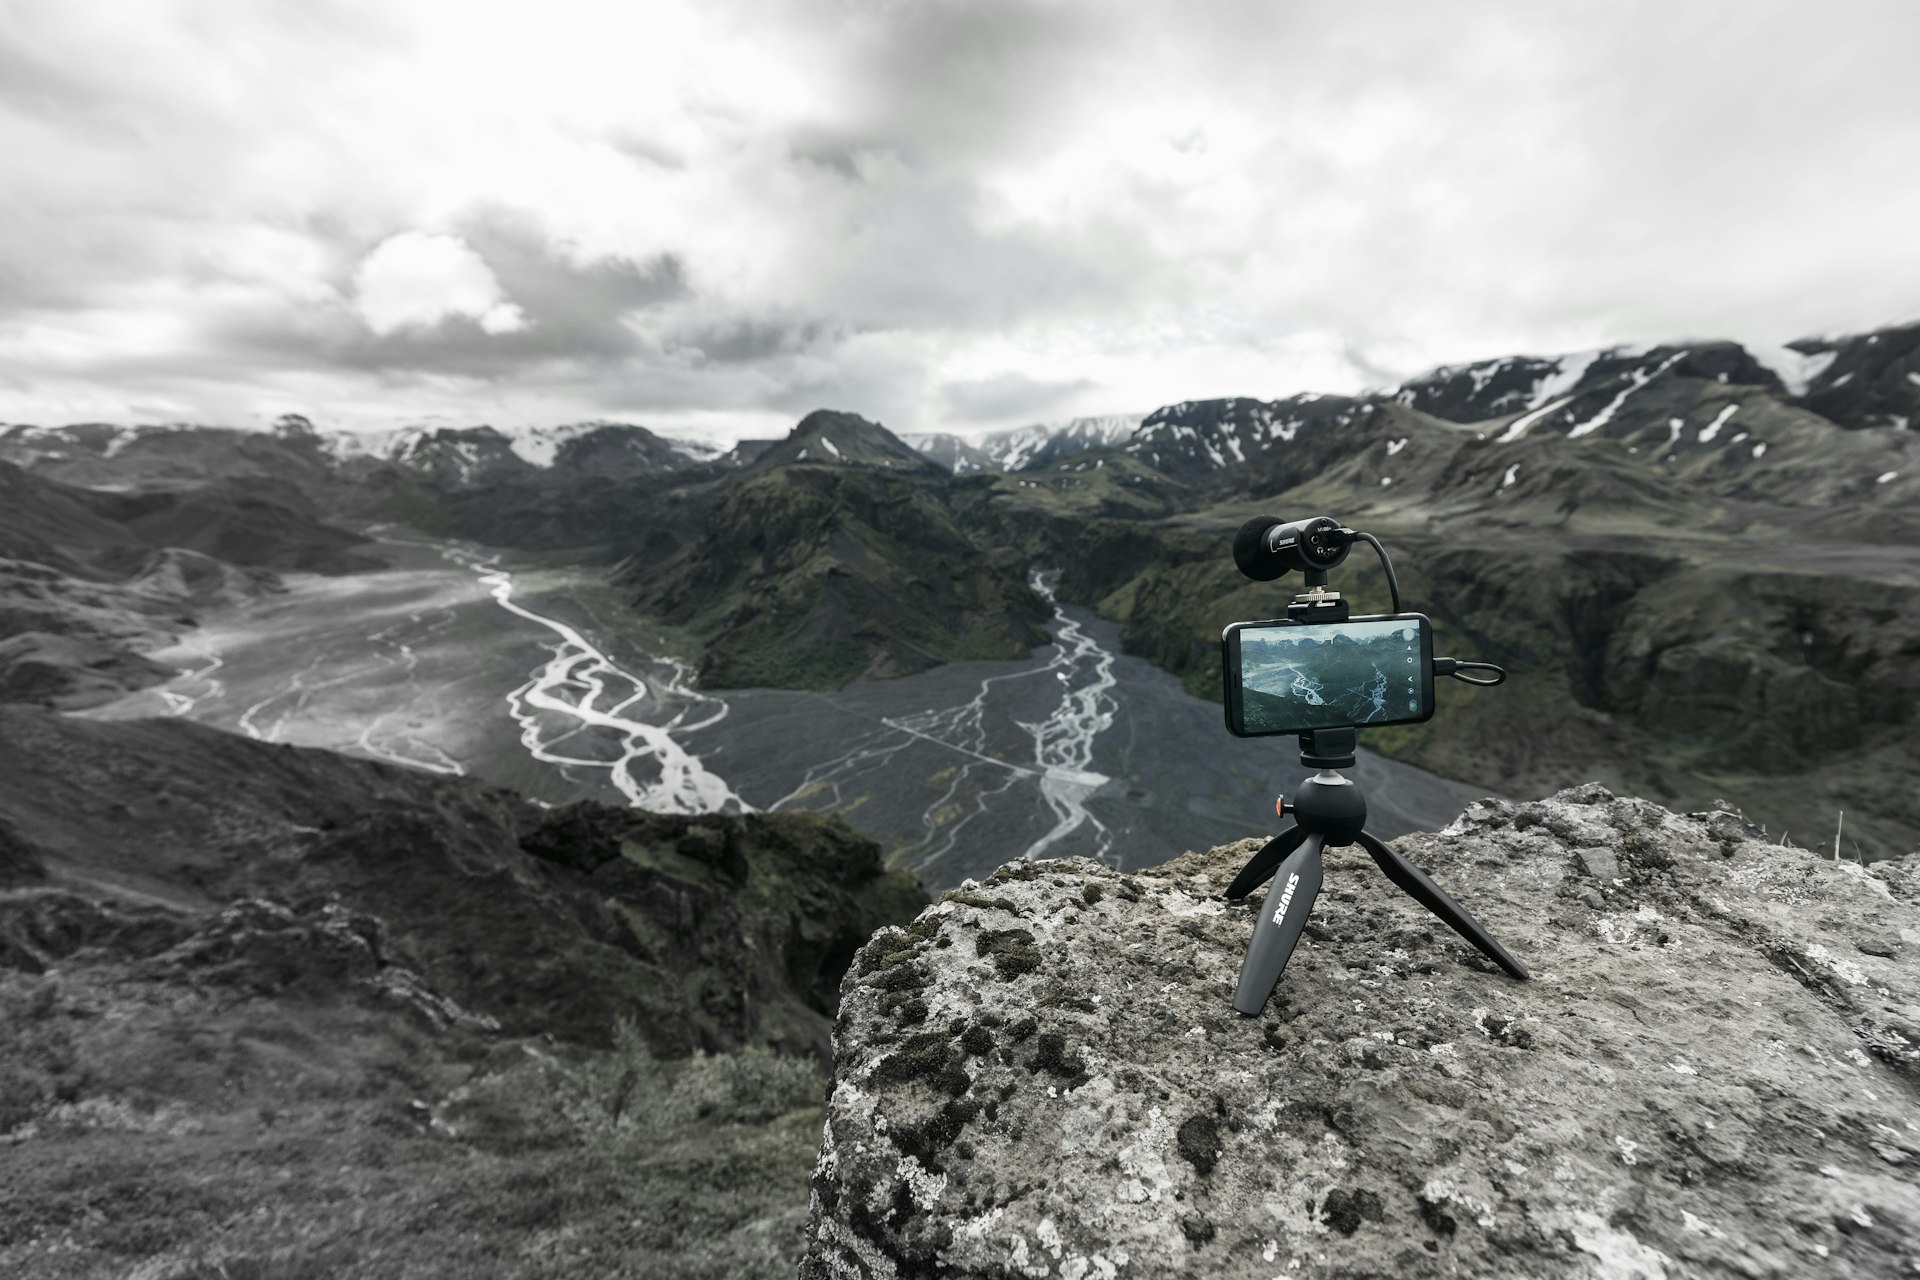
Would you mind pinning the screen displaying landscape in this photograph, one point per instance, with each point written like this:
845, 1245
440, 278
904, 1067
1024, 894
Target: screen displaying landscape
1319, 677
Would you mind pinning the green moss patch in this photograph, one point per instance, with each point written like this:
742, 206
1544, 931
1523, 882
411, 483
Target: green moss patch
903, 976
1011, 950
919, 1057
888, 948
1054, 1059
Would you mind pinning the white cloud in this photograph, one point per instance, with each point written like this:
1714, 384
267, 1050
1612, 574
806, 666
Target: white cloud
417, 279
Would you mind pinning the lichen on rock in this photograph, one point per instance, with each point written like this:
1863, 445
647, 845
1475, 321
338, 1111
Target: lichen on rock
1713, 1071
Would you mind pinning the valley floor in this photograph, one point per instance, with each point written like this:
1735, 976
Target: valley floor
531, 674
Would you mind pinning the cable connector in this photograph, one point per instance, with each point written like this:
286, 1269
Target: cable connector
1454, 666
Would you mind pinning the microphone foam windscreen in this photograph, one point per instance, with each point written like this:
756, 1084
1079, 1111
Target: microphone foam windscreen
1251, 554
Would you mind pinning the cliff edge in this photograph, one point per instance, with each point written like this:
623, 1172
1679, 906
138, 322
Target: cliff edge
1714, 1071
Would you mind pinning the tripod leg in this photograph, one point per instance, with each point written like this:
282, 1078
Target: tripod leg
1431, 896
1295, 885
1261, 865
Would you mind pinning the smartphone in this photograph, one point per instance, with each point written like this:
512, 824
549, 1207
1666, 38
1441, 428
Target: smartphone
1289, 677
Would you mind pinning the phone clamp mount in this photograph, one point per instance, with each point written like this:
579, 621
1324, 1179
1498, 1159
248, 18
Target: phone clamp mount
1329, 810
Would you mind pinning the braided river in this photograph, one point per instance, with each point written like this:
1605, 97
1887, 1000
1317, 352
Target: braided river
530, 673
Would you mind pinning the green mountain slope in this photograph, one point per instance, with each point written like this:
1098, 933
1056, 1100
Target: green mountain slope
810, 576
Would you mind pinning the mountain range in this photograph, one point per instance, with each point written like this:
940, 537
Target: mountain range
1697, 560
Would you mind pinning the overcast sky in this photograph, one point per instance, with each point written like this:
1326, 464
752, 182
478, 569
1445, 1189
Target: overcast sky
714, 217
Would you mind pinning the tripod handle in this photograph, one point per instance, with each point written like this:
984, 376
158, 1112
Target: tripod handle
1296, 883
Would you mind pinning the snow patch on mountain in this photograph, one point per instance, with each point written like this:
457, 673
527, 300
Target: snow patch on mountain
1020, 447
537, 446
1795, 369
1518, 427
1568, 370
1712, 429
1635, 380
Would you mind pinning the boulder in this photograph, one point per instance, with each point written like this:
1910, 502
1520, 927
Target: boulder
1713, 1071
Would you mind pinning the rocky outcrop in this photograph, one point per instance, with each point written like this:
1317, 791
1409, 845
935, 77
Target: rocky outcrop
706, 932
1713, 1071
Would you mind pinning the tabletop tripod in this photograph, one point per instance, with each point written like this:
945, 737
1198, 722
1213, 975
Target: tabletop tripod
1329, 808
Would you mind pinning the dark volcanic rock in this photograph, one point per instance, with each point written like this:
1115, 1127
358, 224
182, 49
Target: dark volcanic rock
1713, 1070
1868, 380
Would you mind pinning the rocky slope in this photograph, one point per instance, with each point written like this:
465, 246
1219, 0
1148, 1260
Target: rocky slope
276, 1011
1865, 380
1713, 1071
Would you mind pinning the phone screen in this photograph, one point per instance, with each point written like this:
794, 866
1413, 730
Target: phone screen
1285, 677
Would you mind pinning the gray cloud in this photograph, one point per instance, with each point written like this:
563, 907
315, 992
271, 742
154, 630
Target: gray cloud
1008, 395
746, 340
1106, 211
953, 81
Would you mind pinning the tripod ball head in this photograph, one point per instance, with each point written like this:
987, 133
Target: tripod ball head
1266, 547
1331, 805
